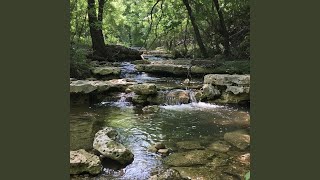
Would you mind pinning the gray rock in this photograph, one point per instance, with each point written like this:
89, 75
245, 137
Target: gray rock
84, 162
226, 79
105, 143
239, 138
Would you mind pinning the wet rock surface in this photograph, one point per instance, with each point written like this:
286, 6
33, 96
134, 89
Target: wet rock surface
190, 158
239, 138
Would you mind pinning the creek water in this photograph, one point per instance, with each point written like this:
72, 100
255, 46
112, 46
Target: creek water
196, 121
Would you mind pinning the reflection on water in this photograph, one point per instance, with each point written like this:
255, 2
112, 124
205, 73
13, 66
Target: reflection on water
201, 122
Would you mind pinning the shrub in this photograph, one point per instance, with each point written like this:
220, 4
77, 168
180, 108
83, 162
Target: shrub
79, 64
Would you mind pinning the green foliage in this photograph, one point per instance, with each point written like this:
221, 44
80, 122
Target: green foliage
247, 176
127, 22
79, 65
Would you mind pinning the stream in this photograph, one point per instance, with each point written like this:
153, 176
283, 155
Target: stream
196, 122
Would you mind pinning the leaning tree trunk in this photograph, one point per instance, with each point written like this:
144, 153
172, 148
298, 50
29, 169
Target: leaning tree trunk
95, 25
224, 30
196, 29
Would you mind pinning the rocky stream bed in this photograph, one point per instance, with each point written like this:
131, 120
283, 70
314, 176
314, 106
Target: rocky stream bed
161, 119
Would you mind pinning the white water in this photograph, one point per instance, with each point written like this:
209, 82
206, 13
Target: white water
192, 106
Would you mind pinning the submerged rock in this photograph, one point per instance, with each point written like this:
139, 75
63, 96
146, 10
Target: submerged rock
189, 145
105, 143
143, 89
239, 138
190, 158
84, 162
151, 109
169, 174
198, 173
219, 146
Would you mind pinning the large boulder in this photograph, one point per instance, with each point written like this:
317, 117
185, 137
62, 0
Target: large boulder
105, 143
105, 71
143, 89
190, 158
239, 138
84, 162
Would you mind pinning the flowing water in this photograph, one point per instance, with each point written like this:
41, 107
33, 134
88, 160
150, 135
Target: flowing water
196, 121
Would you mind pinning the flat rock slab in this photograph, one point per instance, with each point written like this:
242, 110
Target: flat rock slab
226, 79
190, 158
239, 139
189, 145
84, 162
88, 86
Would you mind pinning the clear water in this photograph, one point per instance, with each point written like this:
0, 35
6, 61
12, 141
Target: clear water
197, 121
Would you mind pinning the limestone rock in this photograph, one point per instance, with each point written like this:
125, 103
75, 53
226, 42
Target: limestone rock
105, 143
226, 79
84, 162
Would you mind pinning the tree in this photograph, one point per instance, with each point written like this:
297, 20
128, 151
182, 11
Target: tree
95, 24
224, 31
196, 29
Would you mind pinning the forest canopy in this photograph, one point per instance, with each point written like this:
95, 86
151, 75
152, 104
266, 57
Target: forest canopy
221, 26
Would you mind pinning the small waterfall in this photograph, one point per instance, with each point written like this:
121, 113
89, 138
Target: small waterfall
192, 97
127, 69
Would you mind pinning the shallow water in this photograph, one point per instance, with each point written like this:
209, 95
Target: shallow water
198, 121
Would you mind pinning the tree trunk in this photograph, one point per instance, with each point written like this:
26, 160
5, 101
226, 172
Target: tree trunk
224, 30
196, 29
95, 25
